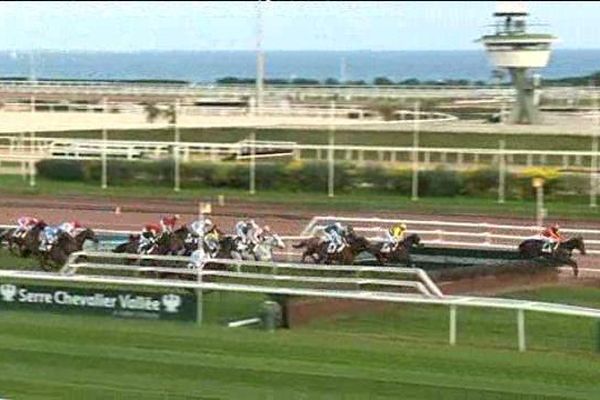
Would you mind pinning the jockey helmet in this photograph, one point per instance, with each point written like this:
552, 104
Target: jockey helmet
208, 222
267, 229
77, 224
555, 228
176, 216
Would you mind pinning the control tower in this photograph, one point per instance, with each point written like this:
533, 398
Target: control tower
514, 48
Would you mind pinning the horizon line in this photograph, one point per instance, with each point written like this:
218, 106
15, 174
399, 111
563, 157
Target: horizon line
7, 50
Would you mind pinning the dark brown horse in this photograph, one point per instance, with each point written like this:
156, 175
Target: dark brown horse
532, 248
316, 249
63, 247
400, 254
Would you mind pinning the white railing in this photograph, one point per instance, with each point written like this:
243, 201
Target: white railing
426, 286
229, 90
67, 148
452, 301
498, 236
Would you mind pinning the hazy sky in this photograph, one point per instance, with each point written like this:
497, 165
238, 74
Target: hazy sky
136, 26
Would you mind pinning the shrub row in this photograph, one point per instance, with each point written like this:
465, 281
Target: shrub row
311, 176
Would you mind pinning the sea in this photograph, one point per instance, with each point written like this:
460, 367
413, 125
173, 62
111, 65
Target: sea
208, 66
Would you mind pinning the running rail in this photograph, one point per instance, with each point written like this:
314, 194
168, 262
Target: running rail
470, 301
71, 266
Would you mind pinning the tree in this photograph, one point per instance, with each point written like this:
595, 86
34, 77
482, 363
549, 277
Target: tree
382, 80
152, 112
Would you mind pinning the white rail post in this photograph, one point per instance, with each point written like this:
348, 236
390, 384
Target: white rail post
594, 158
415, 163
32, 173
521, 329
199, 299
502, 173
331, 153
538, 184
104, 149
176, 147
252, 163
452, 324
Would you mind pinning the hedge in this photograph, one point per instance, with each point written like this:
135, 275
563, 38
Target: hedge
312, 176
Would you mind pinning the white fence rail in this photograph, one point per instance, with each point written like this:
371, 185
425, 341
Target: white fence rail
452, 301
425, 285
473, 234
270, 90
49, 147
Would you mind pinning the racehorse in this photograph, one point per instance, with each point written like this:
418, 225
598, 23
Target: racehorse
30, 243
399, 254
532, 248
65, 245
316, 248
263, 251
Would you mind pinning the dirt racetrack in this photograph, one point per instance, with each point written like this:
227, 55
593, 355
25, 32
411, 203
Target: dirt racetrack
99, 213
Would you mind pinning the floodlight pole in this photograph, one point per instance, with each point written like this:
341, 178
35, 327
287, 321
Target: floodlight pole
260, 60
415, 163
331, 153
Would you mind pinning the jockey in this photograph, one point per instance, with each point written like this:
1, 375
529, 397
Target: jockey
394, 235
552, 238
70, 227
148, 236
335, 234
198, 258
25, 224
201, 227
168, 223
50, 233
246, 230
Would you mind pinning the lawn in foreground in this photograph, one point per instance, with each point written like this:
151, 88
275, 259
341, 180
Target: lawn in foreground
50, 356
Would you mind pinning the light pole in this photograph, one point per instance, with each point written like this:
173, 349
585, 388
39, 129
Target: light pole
538, 184
331, 153
260, 59
415, 167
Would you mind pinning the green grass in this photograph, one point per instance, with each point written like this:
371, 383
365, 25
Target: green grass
401, 353
355, 137
357, 201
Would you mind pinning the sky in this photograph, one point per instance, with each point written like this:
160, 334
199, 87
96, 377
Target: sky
140, 26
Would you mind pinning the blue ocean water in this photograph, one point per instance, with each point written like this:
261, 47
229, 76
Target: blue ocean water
206, 66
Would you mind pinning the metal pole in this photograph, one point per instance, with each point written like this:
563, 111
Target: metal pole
32, 173
415, 164
331, 153
594, 159
104, 149
252, 163
452, 325
502, 173
176, 148
521, 329
540, 205
260, 62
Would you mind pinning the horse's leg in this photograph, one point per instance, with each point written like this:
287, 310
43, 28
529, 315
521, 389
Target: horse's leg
573, 265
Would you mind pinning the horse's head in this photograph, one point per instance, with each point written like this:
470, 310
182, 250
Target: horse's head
413, 240
87, 234
358, 243
274, 240
579, 245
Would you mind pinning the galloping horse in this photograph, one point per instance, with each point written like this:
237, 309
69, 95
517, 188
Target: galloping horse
263, 251
316, 248
532, 248
65, 245
30, 243
400, 254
